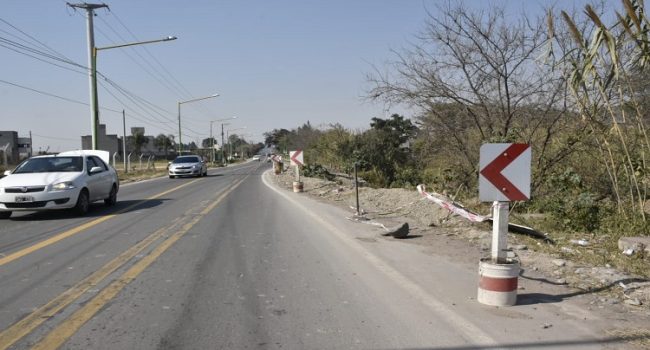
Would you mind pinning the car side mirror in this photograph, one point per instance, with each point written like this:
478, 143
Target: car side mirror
95, 170
7, 172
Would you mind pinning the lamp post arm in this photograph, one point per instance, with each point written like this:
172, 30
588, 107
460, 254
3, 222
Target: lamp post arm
169, 38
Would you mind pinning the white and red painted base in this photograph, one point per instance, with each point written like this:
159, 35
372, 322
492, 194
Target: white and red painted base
297, 186
497, 284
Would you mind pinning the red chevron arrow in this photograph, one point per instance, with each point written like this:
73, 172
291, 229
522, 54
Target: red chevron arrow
492, 172
295, 156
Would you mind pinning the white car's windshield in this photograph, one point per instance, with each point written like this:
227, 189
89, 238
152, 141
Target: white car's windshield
186, 160
50, 165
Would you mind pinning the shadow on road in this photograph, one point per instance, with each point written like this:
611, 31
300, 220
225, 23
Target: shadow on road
540, 298
96, 210
546, 344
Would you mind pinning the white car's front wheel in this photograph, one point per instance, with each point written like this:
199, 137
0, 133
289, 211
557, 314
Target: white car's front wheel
5, 214
112, 197
83, 203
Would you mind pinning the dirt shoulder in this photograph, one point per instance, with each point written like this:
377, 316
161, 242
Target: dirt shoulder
545, 278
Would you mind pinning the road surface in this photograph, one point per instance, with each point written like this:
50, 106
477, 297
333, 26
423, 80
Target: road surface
230, 262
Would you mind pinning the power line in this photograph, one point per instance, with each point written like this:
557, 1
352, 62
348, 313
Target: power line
53, 95
22, 47
53, 55
158, 76
40, 59
182, 92
54, 138
33, 39
178, 83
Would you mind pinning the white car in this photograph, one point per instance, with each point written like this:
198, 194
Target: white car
67, 180
257, 157
190, 165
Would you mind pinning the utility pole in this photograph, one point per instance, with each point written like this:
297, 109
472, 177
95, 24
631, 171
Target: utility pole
31, 144
126, 170
212, 143
180, 142
223, 154
92, 66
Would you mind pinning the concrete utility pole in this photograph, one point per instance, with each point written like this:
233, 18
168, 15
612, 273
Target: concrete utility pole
211, 144
126, 170
92, 68
223, 154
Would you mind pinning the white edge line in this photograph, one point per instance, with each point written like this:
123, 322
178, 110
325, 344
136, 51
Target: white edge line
468, 329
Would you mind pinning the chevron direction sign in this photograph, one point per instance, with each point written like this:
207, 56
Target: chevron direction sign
505, 172
296, 158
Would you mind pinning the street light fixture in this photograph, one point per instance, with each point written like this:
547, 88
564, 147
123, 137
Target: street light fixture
180, 144
94, 101
212, 138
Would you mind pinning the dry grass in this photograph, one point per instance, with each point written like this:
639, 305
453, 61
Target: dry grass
638, 337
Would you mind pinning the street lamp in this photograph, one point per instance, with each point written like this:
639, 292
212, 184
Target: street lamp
94, 103
212, 138
228, 138
180, 144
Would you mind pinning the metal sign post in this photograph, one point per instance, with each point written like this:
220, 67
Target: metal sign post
504, 177
500, 211
296, 159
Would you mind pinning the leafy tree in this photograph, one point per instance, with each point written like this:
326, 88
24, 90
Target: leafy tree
302, 137
139, 140
334, 148
164, 142
208, 142
277, 138
385, 148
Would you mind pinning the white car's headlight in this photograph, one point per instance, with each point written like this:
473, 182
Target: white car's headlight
195, 166
66, 185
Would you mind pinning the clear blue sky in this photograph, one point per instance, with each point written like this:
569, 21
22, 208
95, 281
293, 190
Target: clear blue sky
276, 64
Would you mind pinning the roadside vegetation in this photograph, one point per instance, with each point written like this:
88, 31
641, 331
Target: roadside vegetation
573, 85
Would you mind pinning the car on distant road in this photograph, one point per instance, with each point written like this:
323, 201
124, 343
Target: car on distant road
189, 165
68, 180
257, 157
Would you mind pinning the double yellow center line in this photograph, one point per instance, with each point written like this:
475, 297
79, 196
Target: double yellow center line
60, 334
63, 235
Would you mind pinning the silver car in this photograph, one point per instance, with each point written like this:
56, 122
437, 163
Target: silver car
67, 180
191, 165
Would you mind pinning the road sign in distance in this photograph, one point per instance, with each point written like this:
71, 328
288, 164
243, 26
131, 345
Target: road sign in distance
296, 158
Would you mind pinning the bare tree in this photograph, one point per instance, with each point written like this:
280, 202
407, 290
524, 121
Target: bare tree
476, 78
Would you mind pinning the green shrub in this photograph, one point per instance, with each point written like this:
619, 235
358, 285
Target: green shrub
318, 171
375, 178
407, 177
571, 205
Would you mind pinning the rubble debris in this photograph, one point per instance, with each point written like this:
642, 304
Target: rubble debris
559, 262
580, 242
633, 302
631, 245
458, 209
400, 231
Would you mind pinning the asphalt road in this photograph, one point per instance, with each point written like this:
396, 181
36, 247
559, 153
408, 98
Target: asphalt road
228, 262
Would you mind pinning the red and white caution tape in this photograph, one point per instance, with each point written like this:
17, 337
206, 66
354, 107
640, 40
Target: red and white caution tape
451, 206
